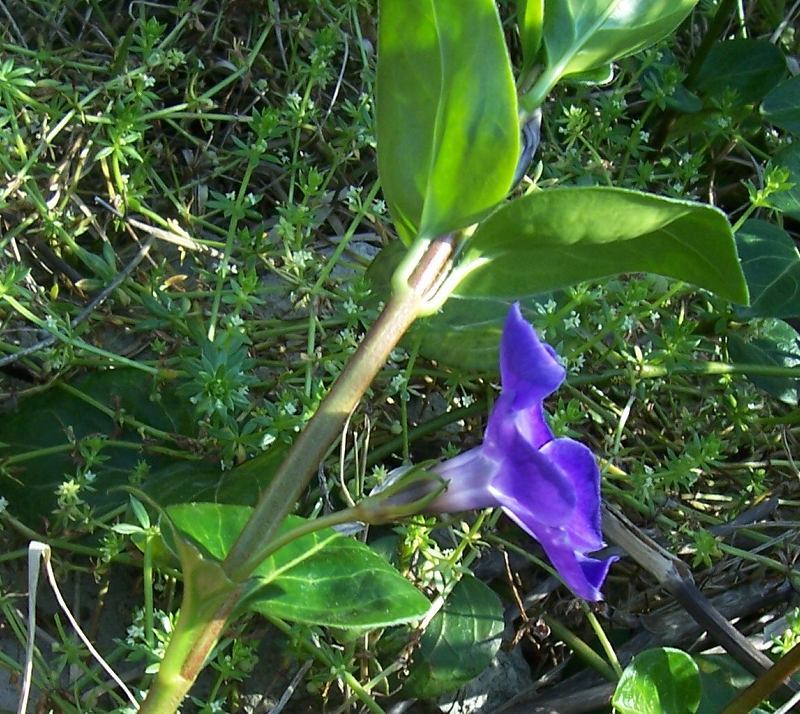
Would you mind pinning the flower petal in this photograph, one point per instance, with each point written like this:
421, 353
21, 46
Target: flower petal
468, 475
531, 483
505, 422
582, 574
577, 462
567, 541
529, 369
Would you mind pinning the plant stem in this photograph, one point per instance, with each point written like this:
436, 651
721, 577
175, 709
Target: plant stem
708, 368
766, 683
608, 648
309, 448
194, 638
202, 620
147, 575
580, 648
322, 656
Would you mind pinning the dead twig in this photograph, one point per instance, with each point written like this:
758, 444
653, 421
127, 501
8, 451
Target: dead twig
675, 577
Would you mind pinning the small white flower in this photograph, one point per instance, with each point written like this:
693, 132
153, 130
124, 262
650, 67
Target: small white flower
353, 197
397, 383
573, 321
467, 400
398, 354
135, 634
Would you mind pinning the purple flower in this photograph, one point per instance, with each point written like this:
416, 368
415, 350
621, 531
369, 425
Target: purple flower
550, 487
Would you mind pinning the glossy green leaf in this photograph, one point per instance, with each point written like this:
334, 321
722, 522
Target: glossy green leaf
788, 202
722, 679
459, 643
778, 345
41, 431
751, 68
448, 132
178, 481
580, 35
560, 237
664, 680
530, 18
323, 578
771, 266
781, 106
601, 75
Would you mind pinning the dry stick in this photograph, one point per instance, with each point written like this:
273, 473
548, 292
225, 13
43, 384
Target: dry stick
766, 684
663, 629
675, 577
176, 236
588, 700
290, 690
41, 551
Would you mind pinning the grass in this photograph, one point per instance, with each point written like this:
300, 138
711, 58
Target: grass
188, 206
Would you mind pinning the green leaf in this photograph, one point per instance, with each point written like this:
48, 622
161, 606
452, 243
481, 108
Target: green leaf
659, 681
561, 237
749, 67
580, 35
140, 512
459, 643
781, 106
448, 132
465, 333
778, 345
684, 101
322, 578
41, 432
788, 202
530, 18
722, 679
601, 75
241, 485
555, 238
771, 265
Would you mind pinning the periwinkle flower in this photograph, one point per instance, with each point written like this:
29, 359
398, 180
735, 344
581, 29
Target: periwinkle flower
550, 487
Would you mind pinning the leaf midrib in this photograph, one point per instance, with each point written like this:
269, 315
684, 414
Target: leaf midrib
437, 133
